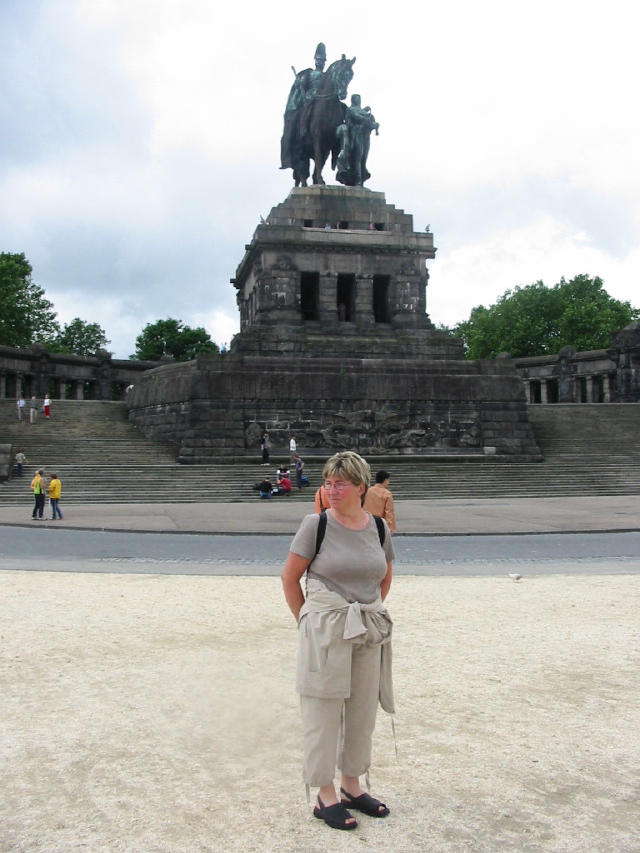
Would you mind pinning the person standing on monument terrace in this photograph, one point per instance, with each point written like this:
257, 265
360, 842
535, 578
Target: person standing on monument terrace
20, 407
265, 448
379, 500
47, 406
344, 637
33, 410
38, 486
21, 460
292, 448
55, 491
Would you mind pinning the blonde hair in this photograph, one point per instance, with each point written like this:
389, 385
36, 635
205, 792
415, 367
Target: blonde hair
349, 465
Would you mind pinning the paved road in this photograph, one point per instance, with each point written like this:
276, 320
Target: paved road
197, 554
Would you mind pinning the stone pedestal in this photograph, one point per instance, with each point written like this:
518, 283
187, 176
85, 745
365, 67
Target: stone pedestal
336, 348
342, 262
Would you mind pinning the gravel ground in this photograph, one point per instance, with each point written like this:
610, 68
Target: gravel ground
157, 713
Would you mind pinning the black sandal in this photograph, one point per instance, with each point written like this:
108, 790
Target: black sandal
335, 816
365, 803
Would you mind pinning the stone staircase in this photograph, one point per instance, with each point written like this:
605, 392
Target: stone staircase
588, 449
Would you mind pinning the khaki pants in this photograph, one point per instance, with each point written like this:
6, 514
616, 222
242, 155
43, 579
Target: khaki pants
322, 723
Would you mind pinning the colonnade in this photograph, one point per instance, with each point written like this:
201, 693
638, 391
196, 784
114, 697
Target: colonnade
25, 384
38, 373
587, 388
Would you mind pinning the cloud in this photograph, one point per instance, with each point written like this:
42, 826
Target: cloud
221, 325
545, 249
140, 144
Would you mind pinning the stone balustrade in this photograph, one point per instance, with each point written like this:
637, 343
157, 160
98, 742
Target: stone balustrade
594, 376
37, 372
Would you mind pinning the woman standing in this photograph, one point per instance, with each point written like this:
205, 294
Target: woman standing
55, 491
344, 634
38, 487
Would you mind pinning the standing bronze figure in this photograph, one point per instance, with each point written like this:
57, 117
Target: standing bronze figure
354, 136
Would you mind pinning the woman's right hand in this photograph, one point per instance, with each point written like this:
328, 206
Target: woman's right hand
294, 567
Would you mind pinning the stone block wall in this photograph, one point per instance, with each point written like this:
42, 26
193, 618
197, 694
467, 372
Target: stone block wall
5, 461
218, 406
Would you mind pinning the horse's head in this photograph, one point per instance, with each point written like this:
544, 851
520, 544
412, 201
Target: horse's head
340, 73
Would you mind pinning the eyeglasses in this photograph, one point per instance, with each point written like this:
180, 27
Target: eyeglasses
338, 486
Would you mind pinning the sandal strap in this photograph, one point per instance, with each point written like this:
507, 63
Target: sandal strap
337, 810
335, 815
366, 803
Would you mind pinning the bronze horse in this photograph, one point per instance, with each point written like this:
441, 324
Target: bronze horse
317, 122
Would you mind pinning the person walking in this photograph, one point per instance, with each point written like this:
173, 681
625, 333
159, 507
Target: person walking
379, 500
55, 491
299, 469
47, 406
21, 460
344, 636
38, 485
33, 410
20, 407
292, 448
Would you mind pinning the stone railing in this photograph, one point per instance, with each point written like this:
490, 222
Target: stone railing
37, 372
595, 376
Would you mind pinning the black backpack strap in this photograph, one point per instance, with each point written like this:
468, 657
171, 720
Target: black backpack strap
322, 529
380, 525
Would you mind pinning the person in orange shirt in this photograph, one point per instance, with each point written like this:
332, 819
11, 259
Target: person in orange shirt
379, 500
322, 499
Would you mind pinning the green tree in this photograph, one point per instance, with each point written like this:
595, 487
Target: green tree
80, 338
26, 316
172, 338
538, 320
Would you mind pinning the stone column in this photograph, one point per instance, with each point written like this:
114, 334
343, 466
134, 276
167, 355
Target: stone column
606, 388
406, 302
364, 300
544, 396
588, 385
62, 390
3, 384
79, 391
328, 297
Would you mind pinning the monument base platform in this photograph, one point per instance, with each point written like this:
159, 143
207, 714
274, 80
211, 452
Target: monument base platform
336, 348
221, 405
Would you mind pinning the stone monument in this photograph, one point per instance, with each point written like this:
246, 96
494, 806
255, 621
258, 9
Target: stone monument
335, 343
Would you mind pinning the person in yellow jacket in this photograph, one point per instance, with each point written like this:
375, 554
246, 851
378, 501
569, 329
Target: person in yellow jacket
55, 490
37, 487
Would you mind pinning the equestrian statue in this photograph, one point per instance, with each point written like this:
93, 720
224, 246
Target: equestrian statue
317, 123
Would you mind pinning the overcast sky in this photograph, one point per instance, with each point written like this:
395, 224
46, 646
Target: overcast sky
140, 144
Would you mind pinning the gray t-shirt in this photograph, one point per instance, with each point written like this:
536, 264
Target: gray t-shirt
352, 561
